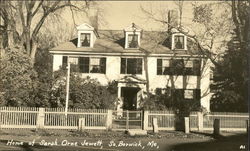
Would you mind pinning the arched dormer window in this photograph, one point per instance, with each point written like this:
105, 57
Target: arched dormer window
132, 37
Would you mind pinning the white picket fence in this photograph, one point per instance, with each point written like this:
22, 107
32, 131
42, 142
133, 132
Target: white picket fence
55, 118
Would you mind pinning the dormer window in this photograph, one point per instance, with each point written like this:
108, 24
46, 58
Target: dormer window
179, 41
85, 39
86, 35
132, 41
132, 37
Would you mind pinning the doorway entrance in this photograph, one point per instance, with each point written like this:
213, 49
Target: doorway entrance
129, 95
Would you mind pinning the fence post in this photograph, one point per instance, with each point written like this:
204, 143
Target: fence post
217, 127
127, 120
186, 121
155, 125
109, 120
81, 123
247, 125
40, 118
200, 121
145, 120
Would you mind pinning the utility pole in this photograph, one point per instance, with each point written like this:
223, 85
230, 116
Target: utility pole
67, 87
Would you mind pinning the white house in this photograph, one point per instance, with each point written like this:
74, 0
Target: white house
135, 58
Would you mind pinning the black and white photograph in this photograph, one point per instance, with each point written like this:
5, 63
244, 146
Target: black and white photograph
117, 75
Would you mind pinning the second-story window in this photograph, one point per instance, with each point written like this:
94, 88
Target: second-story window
132, 41
92, 65
178, 67
97, 65
85, 39
131, 65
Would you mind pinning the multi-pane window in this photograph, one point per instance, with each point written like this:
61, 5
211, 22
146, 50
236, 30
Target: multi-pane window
178, 67
178, 42
92, 65
189, 64
86, 64
186, 94
163, 67
131, 65
97, 65
132, 41
85, 39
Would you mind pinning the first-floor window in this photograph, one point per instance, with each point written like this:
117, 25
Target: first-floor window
131, 65
186, 94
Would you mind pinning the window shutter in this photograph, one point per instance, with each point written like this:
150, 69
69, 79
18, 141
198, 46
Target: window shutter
123, 65
83, 63
138, 66
159, 66
197, 94
103, 65
64, 62
197, 67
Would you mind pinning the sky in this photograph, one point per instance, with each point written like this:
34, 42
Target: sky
117, 15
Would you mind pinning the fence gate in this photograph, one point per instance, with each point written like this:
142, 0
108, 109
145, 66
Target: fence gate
124, 120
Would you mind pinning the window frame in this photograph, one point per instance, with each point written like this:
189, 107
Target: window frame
124, 64
184, 41
81, 39
87, 64
195, 70
129, 42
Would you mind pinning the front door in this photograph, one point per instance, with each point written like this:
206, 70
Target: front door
129, 95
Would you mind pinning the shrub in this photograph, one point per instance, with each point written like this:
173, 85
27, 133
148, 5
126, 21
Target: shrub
84, 93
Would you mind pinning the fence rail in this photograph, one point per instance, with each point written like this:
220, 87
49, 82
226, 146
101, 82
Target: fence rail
55, 118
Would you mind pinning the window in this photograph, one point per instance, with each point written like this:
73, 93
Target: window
179, 42
186, 94
97, 65
131, 65
132, 41
85, 39
163, 67
92, 65
178, 67
188, 67
83, 64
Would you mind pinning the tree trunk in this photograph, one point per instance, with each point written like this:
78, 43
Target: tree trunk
33, 52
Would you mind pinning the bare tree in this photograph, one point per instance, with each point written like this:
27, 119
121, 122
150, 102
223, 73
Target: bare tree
30, 15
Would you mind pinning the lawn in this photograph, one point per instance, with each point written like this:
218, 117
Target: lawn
114, 141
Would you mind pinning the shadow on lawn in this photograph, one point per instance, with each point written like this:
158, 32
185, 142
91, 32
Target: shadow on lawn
237, 142
25, 146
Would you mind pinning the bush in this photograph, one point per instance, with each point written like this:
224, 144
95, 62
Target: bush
17, 79
84, 93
